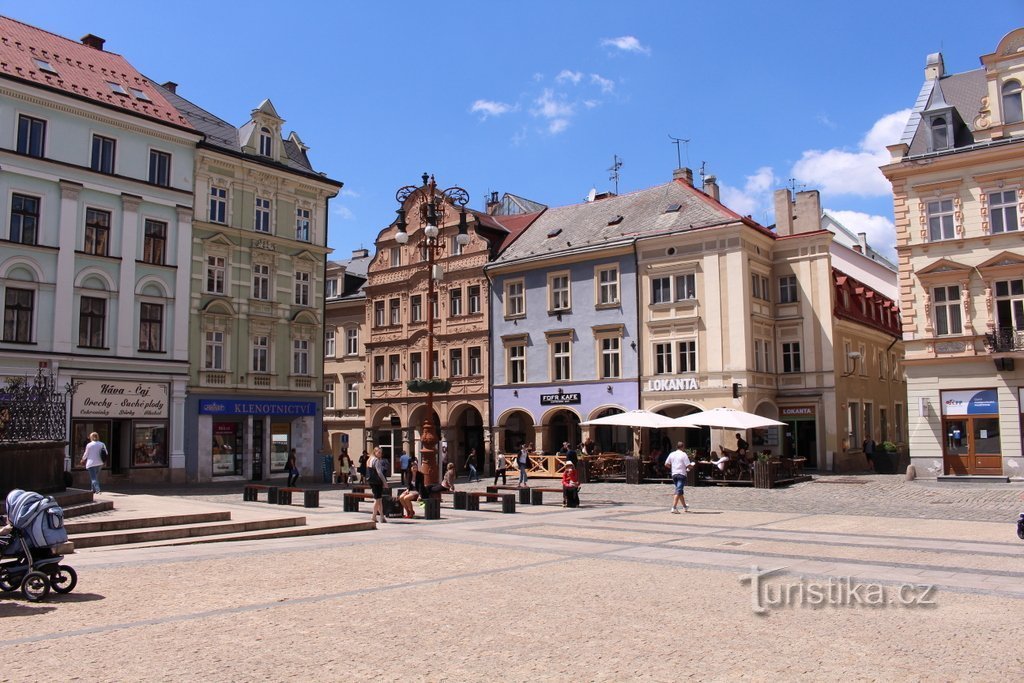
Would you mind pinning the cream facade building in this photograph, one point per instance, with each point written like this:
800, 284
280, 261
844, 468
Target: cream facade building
958, 186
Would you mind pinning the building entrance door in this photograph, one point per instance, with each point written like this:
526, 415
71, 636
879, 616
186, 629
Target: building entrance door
971, 445
801, 441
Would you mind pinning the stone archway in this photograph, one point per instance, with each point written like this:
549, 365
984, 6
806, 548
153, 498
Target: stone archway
609, 438
515, 428
465, 435
561, 426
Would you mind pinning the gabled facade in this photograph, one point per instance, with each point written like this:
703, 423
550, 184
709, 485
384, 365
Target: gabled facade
958, 186
96, 191
256, 298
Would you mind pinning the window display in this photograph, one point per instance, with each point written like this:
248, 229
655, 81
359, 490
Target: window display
149, 444
280, 444
227, 448
80, 430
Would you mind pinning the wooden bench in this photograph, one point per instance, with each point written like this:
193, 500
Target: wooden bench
310, 497
537, 494
507, 500
251, 492
350, 502
524, 492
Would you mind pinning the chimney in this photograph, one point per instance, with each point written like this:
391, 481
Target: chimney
862, 237
711, 186
170, 85
360, 253
95, 42
783, 213
684, 174
934, 67
807, 211
493, 204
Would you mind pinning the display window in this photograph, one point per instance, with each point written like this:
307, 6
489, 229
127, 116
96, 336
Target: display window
227, 449
149, 444
280, 445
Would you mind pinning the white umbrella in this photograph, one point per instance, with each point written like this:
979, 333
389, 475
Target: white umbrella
635, 418
726, 418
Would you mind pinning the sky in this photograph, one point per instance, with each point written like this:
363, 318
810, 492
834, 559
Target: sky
538, 98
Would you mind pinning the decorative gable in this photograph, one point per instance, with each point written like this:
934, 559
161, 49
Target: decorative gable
261, 136
944, 270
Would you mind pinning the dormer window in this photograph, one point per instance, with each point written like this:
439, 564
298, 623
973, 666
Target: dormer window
265, 142
940, 133
1013, 112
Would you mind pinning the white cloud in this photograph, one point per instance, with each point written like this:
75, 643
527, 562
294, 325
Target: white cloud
343, 212
626, 44
573, 77
606, 84
488, 108
755, 198
554, 107
556, 126
824, 120
839, 171
881, 232
345, 192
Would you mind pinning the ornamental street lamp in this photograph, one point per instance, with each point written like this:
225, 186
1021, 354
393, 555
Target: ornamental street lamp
430, 206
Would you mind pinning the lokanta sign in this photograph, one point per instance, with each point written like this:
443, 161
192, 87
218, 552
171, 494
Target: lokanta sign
111, 398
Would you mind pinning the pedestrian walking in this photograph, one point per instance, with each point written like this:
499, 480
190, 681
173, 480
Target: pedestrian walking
679, 462
92, 460
292, 468
500, 468
403, 464
363, 460
471, 465
375, 477
523, 463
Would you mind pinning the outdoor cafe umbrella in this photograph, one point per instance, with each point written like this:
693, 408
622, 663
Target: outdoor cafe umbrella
634, 418
726, 418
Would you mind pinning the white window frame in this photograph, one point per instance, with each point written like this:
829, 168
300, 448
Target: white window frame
475, 368
352, 341
352, 395
515, 298
791, 358
1004, 206
516, 363
396, 257
216, 274
260, 353
394, 312
303, 224
300, 357
266, 142
218, 204
610, 357
379, 314
261, 215
455, 301
329, 394
329, 344
661, 290
302, 285
942, 309
561, 360
664, 358
473, 299
394, 367
788, 292
214, 350
261, 281
941, 219
559, 292
687, 349
455, 362
607, 279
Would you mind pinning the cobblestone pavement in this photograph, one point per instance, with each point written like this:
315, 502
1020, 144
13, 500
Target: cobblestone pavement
616, 590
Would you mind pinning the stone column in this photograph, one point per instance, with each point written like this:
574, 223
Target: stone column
177, 452
127, 331
182, 284
64, 296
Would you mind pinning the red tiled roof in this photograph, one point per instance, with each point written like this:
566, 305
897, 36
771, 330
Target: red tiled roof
82, 71
513, 225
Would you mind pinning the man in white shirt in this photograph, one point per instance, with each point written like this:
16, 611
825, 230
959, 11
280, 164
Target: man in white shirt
680, 463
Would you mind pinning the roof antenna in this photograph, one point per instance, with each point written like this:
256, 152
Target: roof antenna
616, 165
793, 186
703, 174
685, 141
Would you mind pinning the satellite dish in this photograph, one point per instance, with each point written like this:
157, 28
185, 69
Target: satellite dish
592, 195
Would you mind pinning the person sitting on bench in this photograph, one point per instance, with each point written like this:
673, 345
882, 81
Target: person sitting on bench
448, 482
415, 491
570, 486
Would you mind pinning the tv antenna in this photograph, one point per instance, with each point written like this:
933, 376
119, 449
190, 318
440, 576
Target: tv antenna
793, 186
614, 169
676, 142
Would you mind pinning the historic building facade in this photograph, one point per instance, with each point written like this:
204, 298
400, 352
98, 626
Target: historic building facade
256, 298
96, 189
958, 186
345, 356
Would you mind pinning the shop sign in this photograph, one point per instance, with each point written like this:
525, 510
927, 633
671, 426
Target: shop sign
112, 398
797, 411
255, 407
673, 384
973, 402
560, 399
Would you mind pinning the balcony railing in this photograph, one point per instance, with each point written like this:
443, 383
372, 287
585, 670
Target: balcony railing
1004, 340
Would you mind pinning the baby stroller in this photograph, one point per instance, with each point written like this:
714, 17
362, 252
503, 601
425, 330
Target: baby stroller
29, 543
1020, 526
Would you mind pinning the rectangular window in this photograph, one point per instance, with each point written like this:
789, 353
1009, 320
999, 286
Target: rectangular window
329, 348
103, 154
759, 287
215, 273
611, 358
475, 361
898, 423
92, 322
455, 248
787, 289
940, 220
947, 311
214, 351
561, 361
869, 411
302, 225
330, 288
1002, 209
686, 287
97, 232
416, 308
151, 327
791, 357
473, 294
300, 357
301, 288
352, 395
559, 286
435, 307
329, 395
661, 290
24, 219
159, 168
395, 311
517, 364
396, 257
31, 136
394, 367
378, 368
607, 286
455, 362
881, 365
515, 301
261, 221
415, 366
378, 313
688, 356
218, 205
455, 301
18, 308
154, 244
854, 419
261, 281
352, 341
261, 353
883, 424
663, 359
436, 365
1009, 307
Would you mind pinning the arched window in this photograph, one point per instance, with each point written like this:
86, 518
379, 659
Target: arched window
1013, 112
940, 133
265, 142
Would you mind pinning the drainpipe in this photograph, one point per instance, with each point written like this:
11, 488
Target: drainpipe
639, 337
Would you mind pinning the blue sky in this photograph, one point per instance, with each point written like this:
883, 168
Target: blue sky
535, 98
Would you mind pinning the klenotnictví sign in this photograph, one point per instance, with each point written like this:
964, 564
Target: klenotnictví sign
111, 398
279, 408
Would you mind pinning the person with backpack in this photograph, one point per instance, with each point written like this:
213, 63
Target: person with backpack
375, 477
92, 459
523, 463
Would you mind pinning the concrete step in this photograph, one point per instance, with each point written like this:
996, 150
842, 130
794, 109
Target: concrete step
72, 497
973, 479
262, 534
93, 526
122, 537
82, 509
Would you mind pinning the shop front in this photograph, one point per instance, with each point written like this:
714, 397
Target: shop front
971, 432
131, 418
800, 435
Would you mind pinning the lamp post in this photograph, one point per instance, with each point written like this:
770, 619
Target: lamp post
430, 206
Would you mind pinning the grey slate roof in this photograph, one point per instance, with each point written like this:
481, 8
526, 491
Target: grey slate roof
220, 133
643, 213
962, 91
